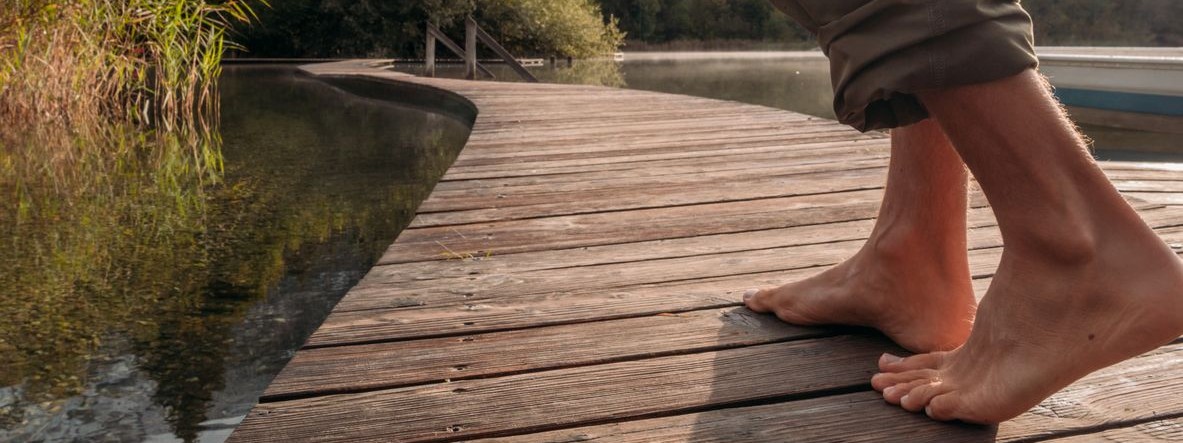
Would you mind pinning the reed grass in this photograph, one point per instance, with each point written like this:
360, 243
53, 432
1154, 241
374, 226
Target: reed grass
153, 62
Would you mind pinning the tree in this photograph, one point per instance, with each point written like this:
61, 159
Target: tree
395, 28
660, 21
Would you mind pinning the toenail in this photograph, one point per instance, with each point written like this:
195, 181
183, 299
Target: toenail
748, 294
928, 411
889, 391
889, 358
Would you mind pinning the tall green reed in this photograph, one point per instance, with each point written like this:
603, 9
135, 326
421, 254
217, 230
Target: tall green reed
150, 61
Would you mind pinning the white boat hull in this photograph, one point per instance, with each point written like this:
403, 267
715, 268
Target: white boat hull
1109, 88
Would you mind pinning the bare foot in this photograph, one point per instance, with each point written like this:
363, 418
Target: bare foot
916, 292
1044, 324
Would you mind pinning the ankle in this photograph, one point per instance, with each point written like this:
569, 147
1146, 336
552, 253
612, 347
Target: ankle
1063, 245
906, 241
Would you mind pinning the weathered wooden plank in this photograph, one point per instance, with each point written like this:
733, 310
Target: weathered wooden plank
1129, 392
555, 117
566, 397
1140, 174
373, 292
565, 232
672, 130
1135, 390
820, 154
504, 196
615, 117
385, 365
417, 321
440, 312
543, 146
719, 151
1158, 197
981, 235
779, 128
376, 286
1158, 430
628, 158
856, 417
832, 152
1160, 186
635, 167
546, 205
622, 253
1141, 166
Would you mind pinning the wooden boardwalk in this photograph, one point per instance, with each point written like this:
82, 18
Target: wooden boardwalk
577, 276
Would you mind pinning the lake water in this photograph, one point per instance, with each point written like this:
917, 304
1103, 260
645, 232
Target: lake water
795, 81
211, 286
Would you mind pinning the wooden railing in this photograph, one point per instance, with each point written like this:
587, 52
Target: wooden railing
472, 33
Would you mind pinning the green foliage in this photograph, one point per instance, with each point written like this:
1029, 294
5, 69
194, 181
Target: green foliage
661, 21
149, 61
395, 28
1107, 23
565, 27
1057, 22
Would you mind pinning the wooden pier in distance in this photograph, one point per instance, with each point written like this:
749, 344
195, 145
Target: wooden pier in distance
577, 276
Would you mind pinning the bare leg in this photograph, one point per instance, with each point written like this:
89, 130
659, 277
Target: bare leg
1083, 282
911, 279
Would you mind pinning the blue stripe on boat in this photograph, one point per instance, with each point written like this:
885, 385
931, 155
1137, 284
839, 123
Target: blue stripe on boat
1122, 101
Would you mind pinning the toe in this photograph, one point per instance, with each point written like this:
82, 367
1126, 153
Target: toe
754, 300
943, 407
895, 393
884, 380
891, 363
917, 399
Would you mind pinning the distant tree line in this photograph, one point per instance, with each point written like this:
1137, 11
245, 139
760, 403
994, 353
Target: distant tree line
1107, 22
394, 28
1057, 22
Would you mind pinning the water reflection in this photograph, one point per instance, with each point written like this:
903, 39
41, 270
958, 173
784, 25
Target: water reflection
148, 302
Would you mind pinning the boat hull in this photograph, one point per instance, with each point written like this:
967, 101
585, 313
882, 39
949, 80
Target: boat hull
1143, 92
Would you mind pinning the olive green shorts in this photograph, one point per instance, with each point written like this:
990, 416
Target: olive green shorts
883, 51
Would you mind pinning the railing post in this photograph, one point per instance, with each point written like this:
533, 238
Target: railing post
470, 49
500, 50
429, 63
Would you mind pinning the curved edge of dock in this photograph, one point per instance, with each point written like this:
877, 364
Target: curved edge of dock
577, 275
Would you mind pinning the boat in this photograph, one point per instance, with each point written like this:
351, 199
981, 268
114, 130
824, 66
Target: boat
1130, 88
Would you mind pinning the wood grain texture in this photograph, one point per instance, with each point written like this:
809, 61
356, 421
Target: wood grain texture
1158, 430
724, 152
575, 231
563, 397
396, 317
385, 365
982, 234
1127, 393
657, 196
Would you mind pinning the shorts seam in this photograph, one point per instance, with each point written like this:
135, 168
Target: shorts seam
938, 27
